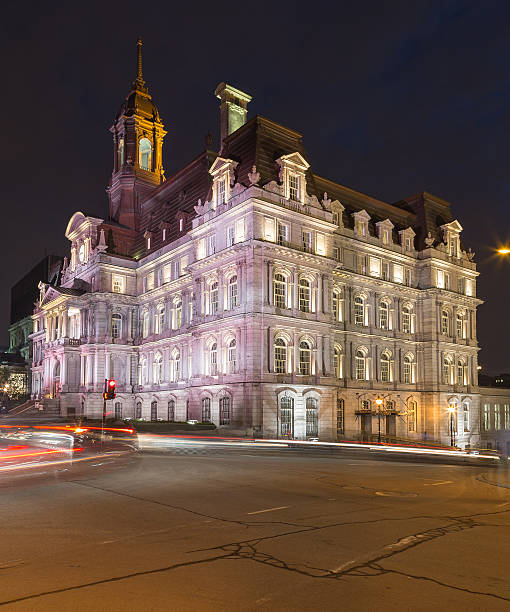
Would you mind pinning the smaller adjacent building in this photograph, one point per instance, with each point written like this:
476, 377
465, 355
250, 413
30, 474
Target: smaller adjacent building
495, 412
23, 296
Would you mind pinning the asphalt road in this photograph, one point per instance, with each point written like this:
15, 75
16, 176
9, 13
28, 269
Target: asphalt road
211, 528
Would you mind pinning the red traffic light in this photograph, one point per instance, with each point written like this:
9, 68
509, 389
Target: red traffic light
110, 389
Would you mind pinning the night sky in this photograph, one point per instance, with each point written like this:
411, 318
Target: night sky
392, 98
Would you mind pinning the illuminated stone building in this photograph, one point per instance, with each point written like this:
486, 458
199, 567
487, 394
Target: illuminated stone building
250, 291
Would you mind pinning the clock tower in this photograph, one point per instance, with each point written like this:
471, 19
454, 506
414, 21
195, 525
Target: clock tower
137, 152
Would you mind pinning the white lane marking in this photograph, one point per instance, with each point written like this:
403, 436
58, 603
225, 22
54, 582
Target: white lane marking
440, 482
268, 510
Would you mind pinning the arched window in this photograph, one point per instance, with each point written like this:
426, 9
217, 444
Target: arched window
232, 292
305, 295
118, 411
213, 298
145, 154
384, 315
411, 415
116, 325
206, 410
407, 369
312, 417
280, 356
121, 152
143, 372
361, 371
138, 410
305, 358
359, 310
176, 365
159, 319
171, 410
461, 372
445, 322
145, 324
213, 359
280, 291
286, 417
460, 325
178, 315
447, 371
154, 410
465, 416
337, 305
385, 367
406, 320
225, 410
232, 356
158, 369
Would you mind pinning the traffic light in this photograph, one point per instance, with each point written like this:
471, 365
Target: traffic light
110, 389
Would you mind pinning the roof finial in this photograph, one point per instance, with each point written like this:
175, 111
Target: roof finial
139, 75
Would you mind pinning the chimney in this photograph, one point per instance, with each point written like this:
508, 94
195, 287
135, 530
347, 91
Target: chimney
232, 108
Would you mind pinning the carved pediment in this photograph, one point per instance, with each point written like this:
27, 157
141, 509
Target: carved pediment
295, 160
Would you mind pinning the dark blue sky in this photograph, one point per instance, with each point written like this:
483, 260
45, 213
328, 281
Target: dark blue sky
393, 98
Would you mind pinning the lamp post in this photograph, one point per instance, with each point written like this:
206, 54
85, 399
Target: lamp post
451, 410
379, 402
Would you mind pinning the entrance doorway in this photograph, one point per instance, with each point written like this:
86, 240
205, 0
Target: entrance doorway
286, 417
366, 426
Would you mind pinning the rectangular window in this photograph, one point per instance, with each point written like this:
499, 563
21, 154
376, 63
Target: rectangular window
159, 275
231, 236
385, 236
181, 224
211, 244
220, 192
460, 285
176, 265
469, 287
283, 234
320, 244
454, 246
294, 187
184, 264
507, 416
386, 270
447, 281
307, 241
486, 417
201, 252
118, 284
164, 234
362, 264
167, 273
269, 229
375, 267
497, 417
144, 284
411, 416
440, 279
340, 416
336, 218
398, 273
408, 244
360, 228
240, 232
407, 277
336, 253
150, 281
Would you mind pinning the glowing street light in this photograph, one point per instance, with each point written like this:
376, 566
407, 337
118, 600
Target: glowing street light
504, 251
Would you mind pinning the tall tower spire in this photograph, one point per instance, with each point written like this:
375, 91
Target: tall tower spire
139, 83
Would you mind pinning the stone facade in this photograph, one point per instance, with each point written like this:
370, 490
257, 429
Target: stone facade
251, 292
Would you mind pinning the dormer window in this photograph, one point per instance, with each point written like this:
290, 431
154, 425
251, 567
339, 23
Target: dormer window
451, 236
361, 219
81, 253
181, 224
145, 154
164, 234
148, 240
223, 173
384, 231
407, 239
292, 175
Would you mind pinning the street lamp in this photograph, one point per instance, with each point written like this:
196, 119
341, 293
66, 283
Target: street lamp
379, 402
504, 251
451, 410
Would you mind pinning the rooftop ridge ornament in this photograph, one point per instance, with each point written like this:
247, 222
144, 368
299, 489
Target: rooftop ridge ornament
139, 83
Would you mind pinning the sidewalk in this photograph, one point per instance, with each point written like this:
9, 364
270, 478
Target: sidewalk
499, 477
